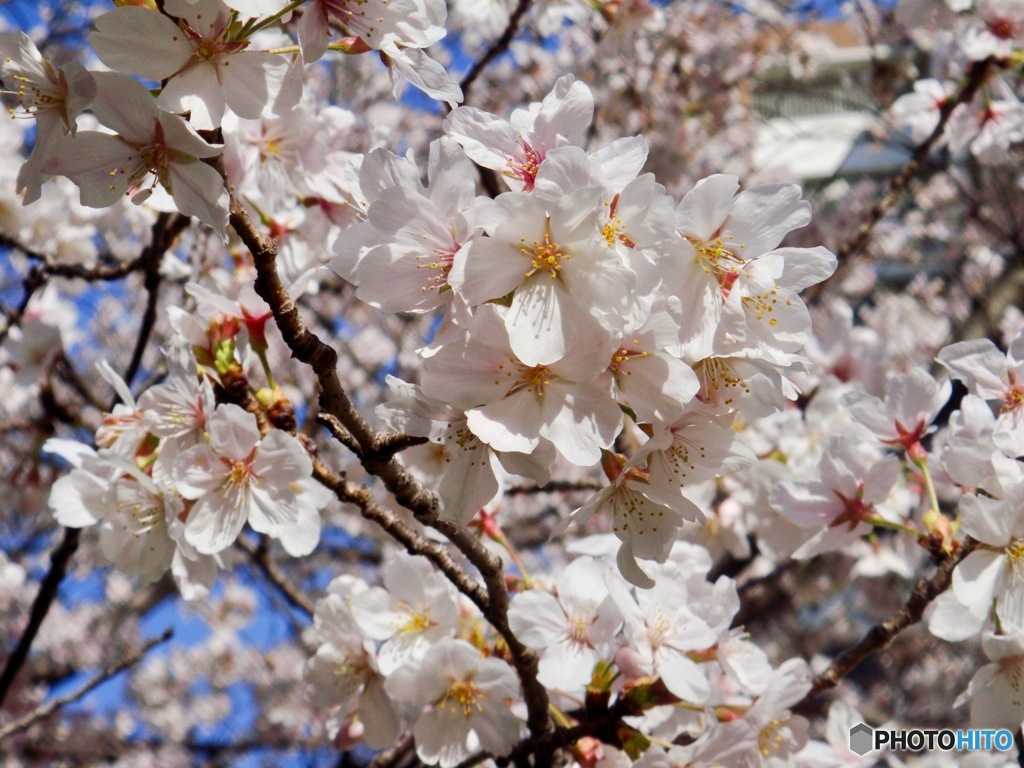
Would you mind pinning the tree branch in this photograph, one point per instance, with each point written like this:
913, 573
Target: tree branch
261, 557
52, 706
378, 460
165, 231
498, 47
977, 74
880, 635
40, 607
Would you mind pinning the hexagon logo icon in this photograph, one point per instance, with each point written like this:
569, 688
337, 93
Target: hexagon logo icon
861, 738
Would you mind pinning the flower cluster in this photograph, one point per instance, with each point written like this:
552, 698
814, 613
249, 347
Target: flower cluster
582, 294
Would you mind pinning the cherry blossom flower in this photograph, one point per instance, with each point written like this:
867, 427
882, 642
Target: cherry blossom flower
567, 280
996, 692
573, 626
414, 609
662, 630
911, 401
854, 482
512, 406
468, 697
239, 477
402, 256
150, 144
994, 572
995, 377
768, 733
343, 672
471, 469
725, 229
205, 68
517, 148
54, 96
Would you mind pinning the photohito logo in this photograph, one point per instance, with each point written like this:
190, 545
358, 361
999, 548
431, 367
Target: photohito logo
864, 738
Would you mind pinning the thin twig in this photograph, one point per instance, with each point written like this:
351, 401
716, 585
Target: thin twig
51, 266
52, 706
880, 635
261, 557
40, 607
498, 47
555, 486
976, 77
165, 232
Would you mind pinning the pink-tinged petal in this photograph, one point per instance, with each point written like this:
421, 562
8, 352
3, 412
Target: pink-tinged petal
198, 190
252, 83
630, 569
196, 90
510, 424
125, 106
565, 113
488, 268
807, 506
314, 32
977, 579
183, 139
990, 521
542, 321
300, 537
271, 509
395, 279
81, 91
441, 737
979, 364
281, 459
704, 208
78, 499
762, 216
581, 420
398, 207
118, 42
104, 167
806, 266
567, 667
657, 387
414, 66
488, 140
214, 522
950, 620
997, 699
49, 138
537, 619
233, 431
469, 482
497, 728
381, 721
198, 471
682, 677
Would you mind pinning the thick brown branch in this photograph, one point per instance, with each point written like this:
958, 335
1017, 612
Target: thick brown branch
378, 459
